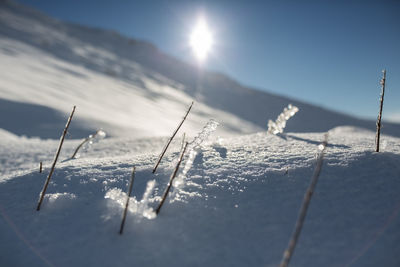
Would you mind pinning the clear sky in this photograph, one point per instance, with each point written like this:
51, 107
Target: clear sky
329, 53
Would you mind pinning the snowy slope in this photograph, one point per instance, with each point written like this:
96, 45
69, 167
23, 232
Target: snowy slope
236, 207
125, 86
47, 70
119, 107
238, 203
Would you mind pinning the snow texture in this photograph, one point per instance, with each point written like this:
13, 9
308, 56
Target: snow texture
240, 190
241, 201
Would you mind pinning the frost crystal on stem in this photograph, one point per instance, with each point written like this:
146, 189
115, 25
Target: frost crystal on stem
193, 149
143, 207
88, 142
280, 123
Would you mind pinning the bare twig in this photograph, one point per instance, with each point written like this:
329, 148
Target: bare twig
41, 167
87, 139
127, 201
378, 122
304, 206
170, 139
171, 179
43, 192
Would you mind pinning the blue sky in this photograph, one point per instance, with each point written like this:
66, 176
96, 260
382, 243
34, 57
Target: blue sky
326, 53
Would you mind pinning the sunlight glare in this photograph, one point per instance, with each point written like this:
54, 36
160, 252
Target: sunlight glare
201, 40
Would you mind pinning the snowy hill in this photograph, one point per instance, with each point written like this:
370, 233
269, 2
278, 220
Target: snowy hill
125, 86
237, 195
236, 207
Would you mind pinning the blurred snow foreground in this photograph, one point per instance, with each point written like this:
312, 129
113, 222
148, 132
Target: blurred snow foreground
280, 123
236, 206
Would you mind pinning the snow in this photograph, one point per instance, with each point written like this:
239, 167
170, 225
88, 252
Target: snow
238, 191
138, 102
138, 208
126, 87
237, 208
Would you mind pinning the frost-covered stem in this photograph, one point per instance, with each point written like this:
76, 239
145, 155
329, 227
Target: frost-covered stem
170, 139
171, 179
378, 122
127, 201
41, 167
87, 139
43, 192
183, 140
304, 206
276, 127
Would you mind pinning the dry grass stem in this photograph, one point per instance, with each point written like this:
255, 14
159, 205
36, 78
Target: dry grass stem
43, 192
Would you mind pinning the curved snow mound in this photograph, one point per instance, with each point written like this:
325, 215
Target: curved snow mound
240, 199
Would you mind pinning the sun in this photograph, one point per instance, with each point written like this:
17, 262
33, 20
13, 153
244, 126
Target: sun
201, 40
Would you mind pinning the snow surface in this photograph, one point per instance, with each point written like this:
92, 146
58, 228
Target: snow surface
237, 207
237, 195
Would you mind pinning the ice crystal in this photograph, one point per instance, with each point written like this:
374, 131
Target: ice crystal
193, 149
89, 141
140, 209
143, 206
275, 127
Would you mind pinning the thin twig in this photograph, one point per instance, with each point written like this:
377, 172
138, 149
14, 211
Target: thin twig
170, 139
87, 139
171, 179
127, 201
43, 192
378, 122
304, 206
41, 167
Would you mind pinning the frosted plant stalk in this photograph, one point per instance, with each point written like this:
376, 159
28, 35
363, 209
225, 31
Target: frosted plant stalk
138, 208
208, 129
194, 147
287, 255
46, 184
378, 121
127, 200
171, 179
280, 123
170, 139
88, 142
143, 205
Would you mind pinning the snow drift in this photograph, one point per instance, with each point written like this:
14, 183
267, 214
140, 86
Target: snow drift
237, 208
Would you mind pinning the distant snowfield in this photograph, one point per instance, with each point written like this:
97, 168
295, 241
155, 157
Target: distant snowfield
126, 87
121, 109
237, 205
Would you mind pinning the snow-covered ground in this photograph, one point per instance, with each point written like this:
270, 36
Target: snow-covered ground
237, 205
238, 202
